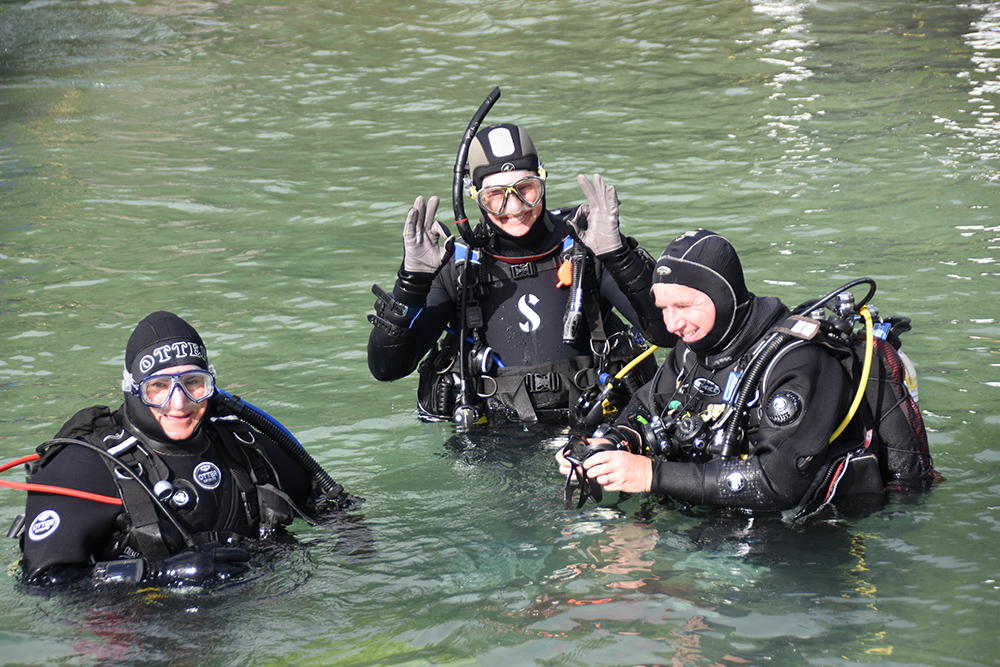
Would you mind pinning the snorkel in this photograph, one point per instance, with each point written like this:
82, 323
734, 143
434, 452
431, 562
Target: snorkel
467, 412
478, 237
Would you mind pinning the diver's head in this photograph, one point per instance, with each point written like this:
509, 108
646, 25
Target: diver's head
507, 177
698, 282
167, 379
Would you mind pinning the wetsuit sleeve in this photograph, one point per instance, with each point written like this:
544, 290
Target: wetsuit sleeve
628, 290
394, 352
62, 530
787, 456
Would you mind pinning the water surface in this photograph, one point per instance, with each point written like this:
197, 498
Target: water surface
249, 165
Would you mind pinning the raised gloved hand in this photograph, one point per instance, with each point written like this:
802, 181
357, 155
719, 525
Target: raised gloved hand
422, 250
200, 563
596, 223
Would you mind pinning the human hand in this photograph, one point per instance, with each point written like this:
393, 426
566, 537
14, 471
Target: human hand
200, 563
422, 251
601, 232
620, 471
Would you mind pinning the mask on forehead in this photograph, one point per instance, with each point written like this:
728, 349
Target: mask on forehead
161, 340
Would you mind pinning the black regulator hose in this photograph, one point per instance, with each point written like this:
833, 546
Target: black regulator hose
466, 414
727, 448
748, 385
124, 471
812, 305
279, 434
473, 238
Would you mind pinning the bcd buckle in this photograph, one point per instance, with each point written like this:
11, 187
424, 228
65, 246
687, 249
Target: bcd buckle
527, 270
537, 382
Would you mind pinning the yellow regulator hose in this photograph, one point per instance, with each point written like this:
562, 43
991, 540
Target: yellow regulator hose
869, 351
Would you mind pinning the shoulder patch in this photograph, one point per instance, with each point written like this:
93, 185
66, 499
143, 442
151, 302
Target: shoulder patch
207, 475
44, 525
783, 408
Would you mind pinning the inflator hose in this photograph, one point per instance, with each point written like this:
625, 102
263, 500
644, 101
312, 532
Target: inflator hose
266, 425
747, 387
478, 238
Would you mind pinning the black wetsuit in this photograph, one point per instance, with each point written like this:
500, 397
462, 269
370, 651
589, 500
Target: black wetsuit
228, 481
803, 396
522, 315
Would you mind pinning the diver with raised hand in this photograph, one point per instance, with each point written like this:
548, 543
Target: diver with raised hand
758, 407
525, 302
173, 487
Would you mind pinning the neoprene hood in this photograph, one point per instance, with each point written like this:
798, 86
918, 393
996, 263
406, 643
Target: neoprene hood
707, 262
499, 148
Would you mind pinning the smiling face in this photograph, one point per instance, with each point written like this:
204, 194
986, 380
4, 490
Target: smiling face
688, 313
180, 417
516, 218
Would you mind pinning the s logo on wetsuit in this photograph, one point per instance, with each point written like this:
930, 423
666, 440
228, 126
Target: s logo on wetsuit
524, 306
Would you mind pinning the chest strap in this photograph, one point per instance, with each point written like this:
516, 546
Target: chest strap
146, 527
516, 385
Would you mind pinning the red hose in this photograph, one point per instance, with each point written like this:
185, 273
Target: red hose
45, 488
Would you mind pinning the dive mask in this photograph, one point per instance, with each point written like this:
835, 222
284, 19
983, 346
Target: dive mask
156, 390
493, 199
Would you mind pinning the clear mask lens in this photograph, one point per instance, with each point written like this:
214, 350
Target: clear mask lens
529, 190
156, 390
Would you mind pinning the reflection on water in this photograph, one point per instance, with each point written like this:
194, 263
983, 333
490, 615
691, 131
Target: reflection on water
249, 166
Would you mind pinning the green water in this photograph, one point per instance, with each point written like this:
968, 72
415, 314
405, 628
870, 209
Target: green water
249, 165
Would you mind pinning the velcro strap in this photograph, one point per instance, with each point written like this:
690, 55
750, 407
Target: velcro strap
393, 330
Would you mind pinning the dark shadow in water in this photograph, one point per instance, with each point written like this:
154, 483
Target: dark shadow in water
504, 444
352, 536
151, 625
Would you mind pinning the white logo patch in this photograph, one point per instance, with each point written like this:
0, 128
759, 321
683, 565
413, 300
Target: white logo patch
44, 525
207, 475
533, 321
501, 141
735, 481
706, 387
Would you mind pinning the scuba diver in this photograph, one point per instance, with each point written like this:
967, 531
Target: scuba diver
525, 302
174, 485
758, 407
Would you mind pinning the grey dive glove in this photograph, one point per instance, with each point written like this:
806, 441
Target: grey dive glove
422, 234
599, 216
